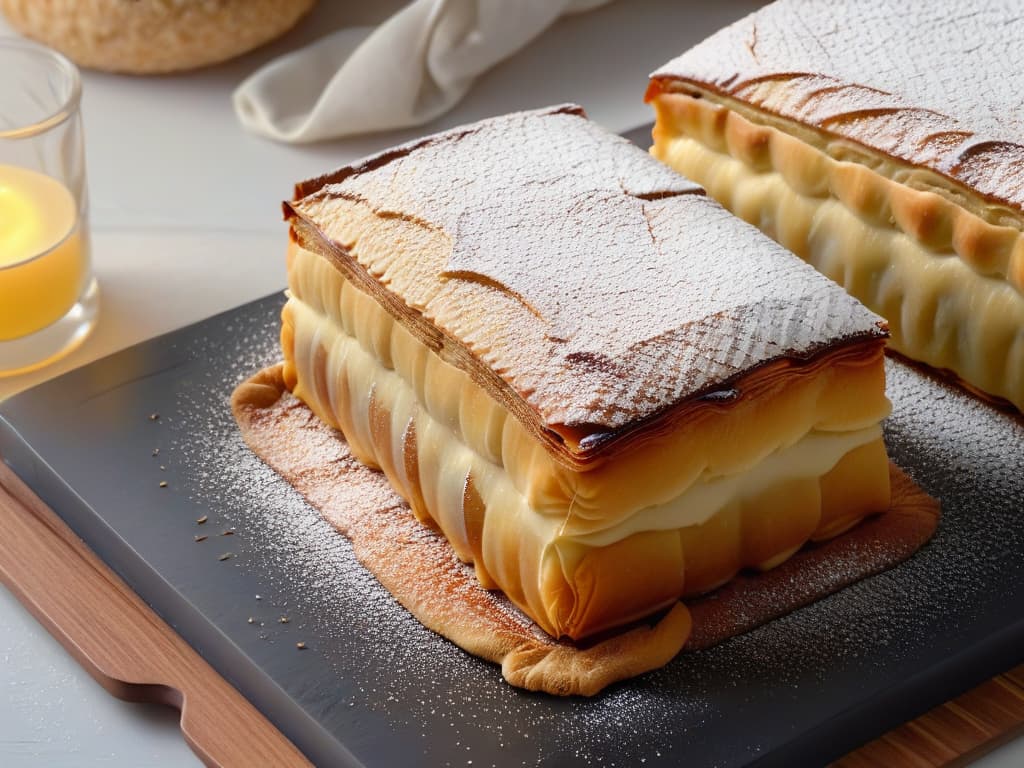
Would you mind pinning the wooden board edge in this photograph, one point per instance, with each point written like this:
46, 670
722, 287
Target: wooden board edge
140, 658
132, 652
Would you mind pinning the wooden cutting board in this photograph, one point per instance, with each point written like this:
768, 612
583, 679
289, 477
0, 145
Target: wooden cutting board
136, 656
119, 640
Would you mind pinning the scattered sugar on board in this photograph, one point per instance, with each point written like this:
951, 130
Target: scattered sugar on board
373, 646
383, 660
961, 451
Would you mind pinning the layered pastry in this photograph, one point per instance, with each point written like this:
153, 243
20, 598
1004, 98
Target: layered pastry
603, 389
884, 143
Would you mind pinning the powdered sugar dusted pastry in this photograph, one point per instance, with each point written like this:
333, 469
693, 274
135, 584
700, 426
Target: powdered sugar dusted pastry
606, 391
884, 143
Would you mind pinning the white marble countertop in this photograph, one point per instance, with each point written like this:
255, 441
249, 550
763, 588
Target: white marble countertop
186, 223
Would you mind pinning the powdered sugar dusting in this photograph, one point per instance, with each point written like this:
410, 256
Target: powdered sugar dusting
929, 83
601, 286
874, 545
969, 455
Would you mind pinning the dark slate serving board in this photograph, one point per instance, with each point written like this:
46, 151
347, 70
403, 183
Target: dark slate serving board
374, 688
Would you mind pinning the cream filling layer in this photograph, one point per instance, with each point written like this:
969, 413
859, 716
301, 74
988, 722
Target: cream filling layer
814, 456
354, 377
940, 310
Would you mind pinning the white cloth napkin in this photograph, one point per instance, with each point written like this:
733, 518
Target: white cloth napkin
410, 69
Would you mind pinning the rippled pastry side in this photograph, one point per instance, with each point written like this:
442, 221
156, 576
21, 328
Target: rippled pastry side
950, 283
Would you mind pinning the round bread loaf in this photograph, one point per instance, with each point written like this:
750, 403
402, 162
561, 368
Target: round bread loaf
152, 36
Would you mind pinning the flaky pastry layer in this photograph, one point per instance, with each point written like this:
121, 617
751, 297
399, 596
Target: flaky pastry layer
588, 288
583, 551
949, 283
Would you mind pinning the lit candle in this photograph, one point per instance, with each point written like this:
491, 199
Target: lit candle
42, 261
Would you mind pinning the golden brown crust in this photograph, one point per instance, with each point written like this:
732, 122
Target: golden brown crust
152, 36
946, 98
419, 568
585, 286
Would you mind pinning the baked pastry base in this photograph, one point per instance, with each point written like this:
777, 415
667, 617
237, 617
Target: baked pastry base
420, 569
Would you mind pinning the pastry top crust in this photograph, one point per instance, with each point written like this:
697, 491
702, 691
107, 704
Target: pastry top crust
583, 283
933, 85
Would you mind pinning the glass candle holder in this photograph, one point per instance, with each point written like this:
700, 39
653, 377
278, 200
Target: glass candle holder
48, 296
